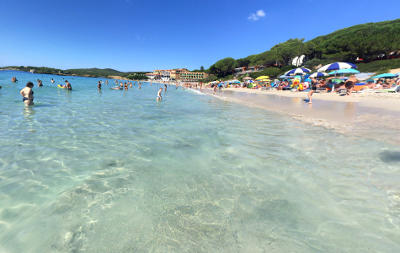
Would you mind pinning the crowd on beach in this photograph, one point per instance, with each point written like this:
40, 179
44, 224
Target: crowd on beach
27, 92
301, 80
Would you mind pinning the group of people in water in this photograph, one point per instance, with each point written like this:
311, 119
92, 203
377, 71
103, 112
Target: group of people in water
27, 91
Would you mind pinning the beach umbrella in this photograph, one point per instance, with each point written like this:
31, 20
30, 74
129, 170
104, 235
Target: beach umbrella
233, 81
298, 71
385, 75
337, 66
262, 77
319, 74
344, 71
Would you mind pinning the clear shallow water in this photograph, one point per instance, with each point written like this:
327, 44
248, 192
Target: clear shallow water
117, 172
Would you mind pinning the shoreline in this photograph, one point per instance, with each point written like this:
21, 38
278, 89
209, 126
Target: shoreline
375, 116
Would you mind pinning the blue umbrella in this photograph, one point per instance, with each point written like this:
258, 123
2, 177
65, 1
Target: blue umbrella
298, 71
319, 74
344, 71
337, 66
386, 75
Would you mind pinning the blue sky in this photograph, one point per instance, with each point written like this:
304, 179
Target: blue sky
139, 35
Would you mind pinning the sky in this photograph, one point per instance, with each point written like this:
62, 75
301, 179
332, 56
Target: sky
143, 35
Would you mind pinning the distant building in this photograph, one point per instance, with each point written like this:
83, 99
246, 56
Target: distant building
193, 76
32, 70
177, 74
246, 70
150, 76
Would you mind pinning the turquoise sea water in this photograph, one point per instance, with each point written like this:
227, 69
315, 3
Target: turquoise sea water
115, 171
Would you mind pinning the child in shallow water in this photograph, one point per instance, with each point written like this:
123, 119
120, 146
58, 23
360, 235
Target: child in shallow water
159, 97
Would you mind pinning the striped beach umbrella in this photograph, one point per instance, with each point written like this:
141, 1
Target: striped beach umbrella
337, 66
298, 71
319, 74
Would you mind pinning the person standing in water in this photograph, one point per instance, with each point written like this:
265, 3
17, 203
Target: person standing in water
159, 97
165, 89
99, 85
39, 82
27, 94
52, 81
68, 85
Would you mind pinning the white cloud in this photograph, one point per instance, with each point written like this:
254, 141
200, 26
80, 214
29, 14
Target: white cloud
256, 16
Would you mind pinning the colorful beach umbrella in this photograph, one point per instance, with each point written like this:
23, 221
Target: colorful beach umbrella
385, 75
262, 77
297, 71
319, 74
344, 71
234, 81
337, 66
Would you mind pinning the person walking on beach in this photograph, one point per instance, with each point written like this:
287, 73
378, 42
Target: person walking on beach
314, 84
27, 94
215, 89
159, 97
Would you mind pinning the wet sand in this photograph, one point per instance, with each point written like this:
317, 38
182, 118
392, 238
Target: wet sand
374, 116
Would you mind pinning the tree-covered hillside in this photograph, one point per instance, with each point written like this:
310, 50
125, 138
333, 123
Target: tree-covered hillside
90, 72
368, 42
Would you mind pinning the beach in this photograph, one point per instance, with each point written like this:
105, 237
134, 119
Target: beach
106, 170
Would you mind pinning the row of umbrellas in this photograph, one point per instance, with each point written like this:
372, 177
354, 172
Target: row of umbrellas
336, 68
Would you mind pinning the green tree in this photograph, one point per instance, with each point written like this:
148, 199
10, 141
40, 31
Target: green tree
223, 67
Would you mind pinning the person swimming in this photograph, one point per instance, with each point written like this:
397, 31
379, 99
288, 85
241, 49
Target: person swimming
27, 94
159, 97
39, 82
